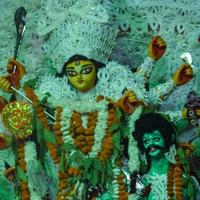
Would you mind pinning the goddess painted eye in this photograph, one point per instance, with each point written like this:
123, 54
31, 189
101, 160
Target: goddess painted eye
86, 70
71, 73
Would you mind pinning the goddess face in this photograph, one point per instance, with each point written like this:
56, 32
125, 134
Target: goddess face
154, 144
81, 74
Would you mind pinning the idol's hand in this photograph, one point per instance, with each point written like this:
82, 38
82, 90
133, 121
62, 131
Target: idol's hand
183, 74
16, 68
156, 47
5, 84
130, 102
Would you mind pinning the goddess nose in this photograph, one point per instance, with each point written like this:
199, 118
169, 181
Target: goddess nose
79, 76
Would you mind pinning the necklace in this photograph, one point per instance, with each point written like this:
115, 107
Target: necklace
84, 137
72, 127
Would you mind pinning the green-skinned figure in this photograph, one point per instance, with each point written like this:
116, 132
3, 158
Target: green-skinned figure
164, 176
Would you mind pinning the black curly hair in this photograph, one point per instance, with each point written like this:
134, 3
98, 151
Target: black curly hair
150, 122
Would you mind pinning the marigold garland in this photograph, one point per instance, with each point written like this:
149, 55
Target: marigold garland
170, 180
73, 171
39, 110
174, 178
63, 185
53, 152
175, 174
42, 117
178, 180
57, 126
83, 137
119, 187
64, 188
123, 194
107, 145
111, 116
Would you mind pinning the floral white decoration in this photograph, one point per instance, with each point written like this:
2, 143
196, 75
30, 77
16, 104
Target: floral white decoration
133, 197
170, 155
161, 90
146, 67
133, 151
115, 185
30, 154
158, 185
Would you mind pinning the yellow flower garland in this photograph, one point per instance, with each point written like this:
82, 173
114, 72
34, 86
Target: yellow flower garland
83, 140
174, 178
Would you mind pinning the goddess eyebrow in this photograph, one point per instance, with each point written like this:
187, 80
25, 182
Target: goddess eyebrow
87, 65
70, 68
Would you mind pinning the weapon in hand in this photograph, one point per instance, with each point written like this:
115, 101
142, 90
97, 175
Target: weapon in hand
20, 24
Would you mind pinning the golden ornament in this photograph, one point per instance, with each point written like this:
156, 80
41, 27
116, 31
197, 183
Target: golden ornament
17, 119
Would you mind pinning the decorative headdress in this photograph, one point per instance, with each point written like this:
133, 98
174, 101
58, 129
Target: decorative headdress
82, 29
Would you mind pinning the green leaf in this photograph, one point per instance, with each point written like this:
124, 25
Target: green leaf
94, 177
49, 136
74, 157
181, 155
125, 131
197, 148
191, 189
87, 162
30, 83
118, 113
67, 147
97, 164
116, 141
186, 167
113, 127
62, 162
21, 174
92, 169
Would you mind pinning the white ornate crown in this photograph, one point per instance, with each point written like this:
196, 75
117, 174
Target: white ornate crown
83, 30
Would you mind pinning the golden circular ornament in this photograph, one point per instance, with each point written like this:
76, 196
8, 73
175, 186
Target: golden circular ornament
17, 119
